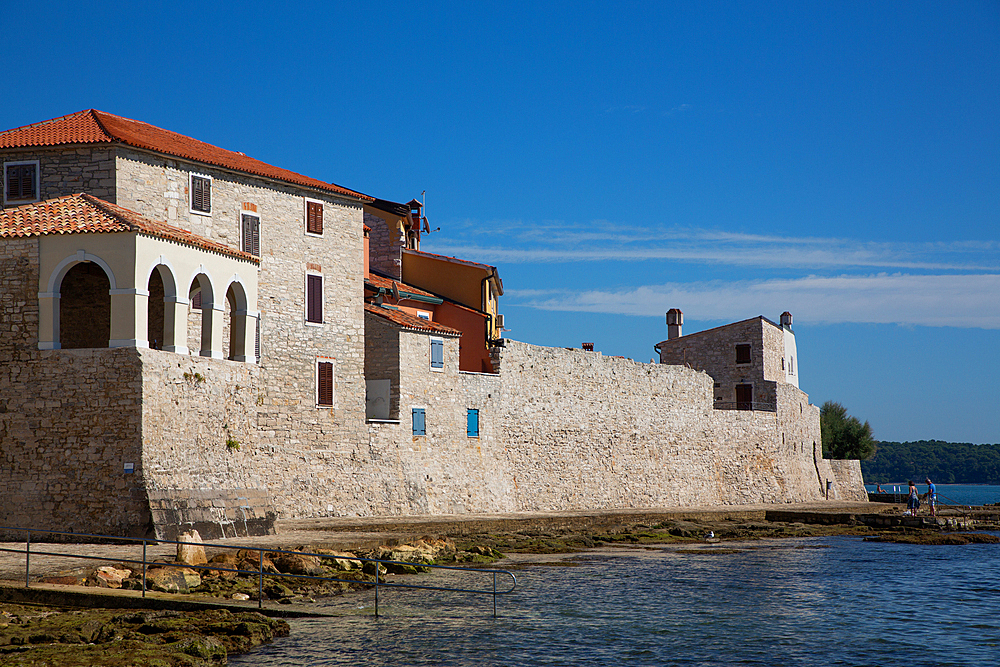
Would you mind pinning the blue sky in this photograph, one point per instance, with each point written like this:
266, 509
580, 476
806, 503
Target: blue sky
839, 160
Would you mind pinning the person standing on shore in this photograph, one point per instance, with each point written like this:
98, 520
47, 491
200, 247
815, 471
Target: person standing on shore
931, 495
913, 502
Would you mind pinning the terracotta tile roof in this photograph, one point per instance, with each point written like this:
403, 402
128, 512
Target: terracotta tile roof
407, 321
86, 214
96, 127
376, 280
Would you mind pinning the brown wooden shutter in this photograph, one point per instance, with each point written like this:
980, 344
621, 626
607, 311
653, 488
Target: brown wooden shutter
314, 299
251, 234
314, 217
325, 390
196, 301
201, 194
21, 182
256, 341
13, 182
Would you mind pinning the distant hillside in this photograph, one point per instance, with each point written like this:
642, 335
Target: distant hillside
943, 462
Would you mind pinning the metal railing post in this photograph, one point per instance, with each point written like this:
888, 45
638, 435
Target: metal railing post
82, 553
260, 582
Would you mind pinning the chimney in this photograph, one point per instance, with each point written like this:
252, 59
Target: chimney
675, 320
786, 320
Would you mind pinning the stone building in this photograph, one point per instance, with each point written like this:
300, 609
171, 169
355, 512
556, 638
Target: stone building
190, 337
745, 359
209, 245
468, 292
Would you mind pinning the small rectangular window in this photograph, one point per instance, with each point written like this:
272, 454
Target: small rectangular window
437, 354
324, 383
314, 299
21, 182
314, 217
472, 428
201, 194
743, 354
419, 422
250, 233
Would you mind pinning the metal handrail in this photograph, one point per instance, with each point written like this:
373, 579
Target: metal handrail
260, 570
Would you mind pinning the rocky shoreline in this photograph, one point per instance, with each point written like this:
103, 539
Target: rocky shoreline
59, 637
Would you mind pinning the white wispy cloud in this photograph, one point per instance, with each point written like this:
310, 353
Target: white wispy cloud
601, 241
967, 301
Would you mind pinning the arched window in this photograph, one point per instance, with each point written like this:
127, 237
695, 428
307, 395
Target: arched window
155, 312
85, 307
236, 322
201, 316
160, 308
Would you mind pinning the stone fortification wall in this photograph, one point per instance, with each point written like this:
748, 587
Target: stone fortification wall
201, 459
567, 429
66, 171
69, 422
583, 430
444, 471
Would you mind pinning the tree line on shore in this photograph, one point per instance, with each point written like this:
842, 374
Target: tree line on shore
944, 462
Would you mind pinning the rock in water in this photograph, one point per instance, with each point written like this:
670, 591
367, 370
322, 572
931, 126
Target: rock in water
191, 551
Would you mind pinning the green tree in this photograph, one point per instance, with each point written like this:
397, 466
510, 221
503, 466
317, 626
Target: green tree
844, 437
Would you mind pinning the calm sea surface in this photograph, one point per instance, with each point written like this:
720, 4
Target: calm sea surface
815, 601
950, 494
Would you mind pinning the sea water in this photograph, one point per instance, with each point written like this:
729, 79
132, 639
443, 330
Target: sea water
948, 494
808, 601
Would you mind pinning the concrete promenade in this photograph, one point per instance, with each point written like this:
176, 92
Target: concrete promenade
360, 533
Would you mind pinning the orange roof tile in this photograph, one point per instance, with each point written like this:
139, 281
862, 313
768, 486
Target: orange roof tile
86, 214
92, 126
407, 321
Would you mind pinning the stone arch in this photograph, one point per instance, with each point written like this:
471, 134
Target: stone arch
55, 279
162, 289
204, 316
239, 321
84, 306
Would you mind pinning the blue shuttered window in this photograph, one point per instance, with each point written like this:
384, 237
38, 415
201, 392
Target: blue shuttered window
419, 422
472, 429
437, 353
